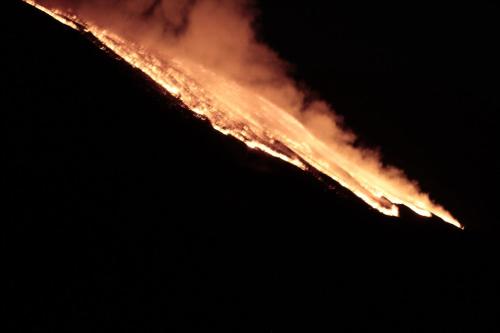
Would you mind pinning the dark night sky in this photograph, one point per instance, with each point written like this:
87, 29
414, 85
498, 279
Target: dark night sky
125, 213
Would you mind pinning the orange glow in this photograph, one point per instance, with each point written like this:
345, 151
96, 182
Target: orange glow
251, 116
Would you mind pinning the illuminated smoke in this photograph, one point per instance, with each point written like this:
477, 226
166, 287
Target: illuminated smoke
205, 52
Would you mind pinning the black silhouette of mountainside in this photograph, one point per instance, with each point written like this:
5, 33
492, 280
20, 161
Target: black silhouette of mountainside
125, 212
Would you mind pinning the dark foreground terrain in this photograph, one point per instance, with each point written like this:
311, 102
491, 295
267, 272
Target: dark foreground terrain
124, 213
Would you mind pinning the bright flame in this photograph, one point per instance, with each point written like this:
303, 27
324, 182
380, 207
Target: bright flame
243, 113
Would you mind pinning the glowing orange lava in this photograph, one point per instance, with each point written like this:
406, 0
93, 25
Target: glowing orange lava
236, 110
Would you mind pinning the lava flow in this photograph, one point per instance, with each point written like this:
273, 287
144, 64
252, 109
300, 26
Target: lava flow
250, 115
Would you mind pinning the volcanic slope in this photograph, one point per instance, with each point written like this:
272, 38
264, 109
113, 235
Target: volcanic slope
125, 211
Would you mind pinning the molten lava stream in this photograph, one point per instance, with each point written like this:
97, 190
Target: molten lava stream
242, 112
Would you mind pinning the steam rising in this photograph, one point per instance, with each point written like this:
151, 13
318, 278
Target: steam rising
219, 35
